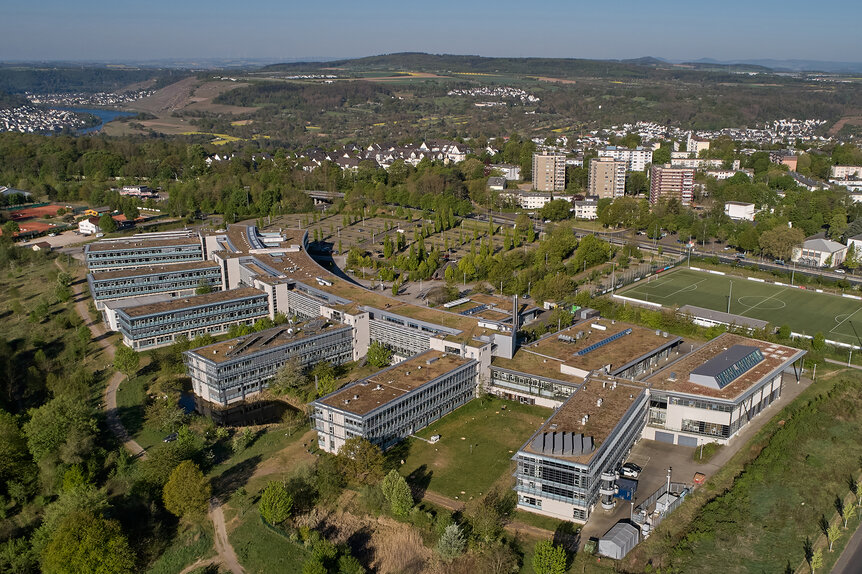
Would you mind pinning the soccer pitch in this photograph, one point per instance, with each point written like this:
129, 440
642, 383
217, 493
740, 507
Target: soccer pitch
805, 311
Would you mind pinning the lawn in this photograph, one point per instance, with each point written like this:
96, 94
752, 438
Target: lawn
804, 310
261, 550
476, 447
184, 550
131, 397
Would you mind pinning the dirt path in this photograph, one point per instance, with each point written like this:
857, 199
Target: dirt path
100, 337
226, 554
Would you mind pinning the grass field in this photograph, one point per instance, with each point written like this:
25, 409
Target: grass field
805, 311
492, 431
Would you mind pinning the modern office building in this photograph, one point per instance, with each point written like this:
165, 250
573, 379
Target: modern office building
607, 178
144, 250
569, 462
177, 280
549, 171
233, 370
548, 371
671, 183
636, 159
710, 394
158, 324
395, 402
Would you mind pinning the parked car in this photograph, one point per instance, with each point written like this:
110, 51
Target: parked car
779, 261
840, 271
630, 470
171, 437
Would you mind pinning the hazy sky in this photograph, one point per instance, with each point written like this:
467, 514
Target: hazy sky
185, 29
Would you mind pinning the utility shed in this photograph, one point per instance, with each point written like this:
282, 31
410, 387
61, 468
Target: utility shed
619, 540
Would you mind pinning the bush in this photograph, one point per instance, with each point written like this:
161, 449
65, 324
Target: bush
275, 503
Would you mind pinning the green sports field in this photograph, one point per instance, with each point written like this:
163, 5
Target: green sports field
807, 312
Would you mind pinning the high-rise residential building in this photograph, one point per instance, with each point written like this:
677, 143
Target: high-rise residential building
671, 183
636, 159
549, 171
607, 177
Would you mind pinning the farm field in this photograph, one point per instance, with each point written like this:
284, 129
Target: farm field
805, 311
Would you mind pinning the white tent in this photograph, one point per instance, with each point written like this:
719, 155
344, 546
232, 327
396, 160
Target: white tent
619, 540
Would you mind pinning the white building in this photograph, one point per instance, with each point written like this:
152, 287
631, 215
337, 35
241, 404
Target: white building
846, 172
852, 185
537, 200
509, 171
695, 144
739, 210
636, 159
586, 209
89, 226
820, 253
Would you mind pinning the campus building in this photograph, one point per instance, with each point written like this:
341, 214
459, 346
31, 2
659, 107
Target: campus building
395, 402
159, 324
548, 371
233, 370
569, 462
607, 178
144, 250
549, 171
710, 394
178, 280
671, 183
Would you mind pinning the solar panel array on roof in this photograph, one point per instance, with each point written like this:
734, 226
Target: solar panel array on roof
727, 366
473, 310
603, 342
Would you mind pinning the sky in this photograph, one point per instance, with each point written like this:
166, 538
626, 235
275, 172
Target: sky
126, 31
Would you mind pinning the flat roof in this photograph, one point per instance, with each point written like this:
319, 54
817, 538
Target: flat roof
722, 317
300, 266
545, 356
385, 386
264, 340
675, 376
153, 270
138, 242
616, 399
193, 301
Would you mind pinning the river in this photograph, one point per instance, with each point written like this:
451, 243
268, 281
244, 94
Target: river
104, 116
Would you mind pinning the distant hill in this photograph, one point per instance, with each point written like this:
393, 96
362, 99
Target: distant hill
645, 67
791, 65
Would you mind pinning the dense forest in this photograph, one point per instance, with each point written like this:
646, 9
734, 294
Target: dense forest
18, 79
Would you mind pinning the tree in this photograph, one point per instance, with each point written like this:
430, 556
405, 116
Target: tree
818, 343
452, 543
107, 223
379, 355
816, 561
203, 287
780, 241
131, 212
15, 462
187, 491
397, 493
289, 378
556, 210
86, 543
361, 461
10, 228
126, 360
323, 374
64, 427
275, 503
833, 533
849, 513
350, 565
549, 559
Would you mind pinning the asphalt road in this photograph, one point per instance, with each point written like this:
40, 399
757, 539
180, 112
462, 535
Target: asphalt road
850, 561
